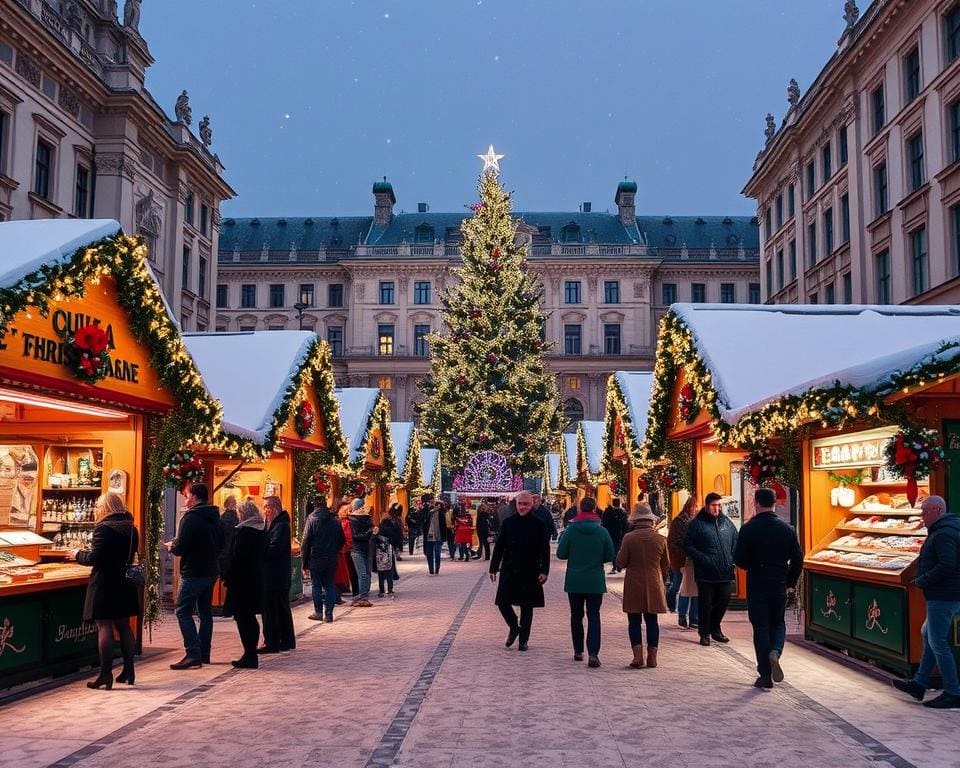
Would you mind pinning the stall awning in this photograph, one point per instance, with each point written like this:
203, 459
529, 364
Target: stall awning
568, 454
590, 447
365, 423
430, 463
628, 406
406, 448
551, 474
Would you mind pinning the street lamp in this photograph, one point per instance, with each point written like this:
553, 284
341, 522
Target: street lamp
304, 303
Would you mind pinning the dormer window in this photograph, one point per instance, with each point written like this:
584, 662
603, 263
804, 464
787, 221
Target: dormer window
423, 234
570, 233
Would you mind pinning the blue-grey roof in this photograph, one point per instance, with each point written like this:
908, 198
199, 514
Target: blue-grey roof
311, 233
700, 232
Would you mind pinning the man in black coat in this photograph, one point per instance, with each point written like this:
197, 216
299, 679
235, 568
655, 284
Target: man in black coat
278, 633
198, 544
938, 575
414, 523
322, 540
615, 521
243, 577
710, 541
522, 557
768, 550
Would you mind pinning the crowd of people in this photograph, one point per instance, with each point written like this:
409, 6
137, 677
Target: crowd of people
690, 570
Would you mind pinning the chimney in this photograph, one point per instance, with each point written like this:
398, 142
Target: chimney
422, 207
586, 207
383, 202
626, 192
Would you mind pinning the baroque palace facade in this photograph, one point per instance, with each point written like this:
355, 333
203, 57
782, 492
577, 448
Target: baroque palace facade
858, 189
371, 286
81, 137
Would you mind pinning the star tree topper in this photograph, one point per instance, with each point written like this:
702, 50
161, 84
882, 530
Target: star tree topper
491, 161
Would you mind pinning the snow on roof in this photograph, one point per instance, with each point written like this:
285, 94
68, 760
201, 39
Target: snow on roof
401, 432
593, 442
25, 246
757, 354
570, 450
635, 387
553, 470
249, 374
429, 461
356, 410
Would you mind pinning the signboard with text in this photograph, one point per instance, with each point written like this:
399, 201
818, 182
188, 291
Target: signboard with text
863, 449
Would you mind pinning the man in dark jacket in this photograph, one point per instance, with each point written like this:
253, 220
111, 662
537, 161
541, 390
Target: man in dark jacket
572, 512
414, 523
768, 550
615, 521
544, 516
522, 557
278, 633
198, 544
938, 575
322, 539
710, 542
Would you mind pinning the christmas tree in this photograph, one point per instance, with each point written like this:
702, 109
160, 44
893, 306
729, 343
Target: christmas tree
487, 388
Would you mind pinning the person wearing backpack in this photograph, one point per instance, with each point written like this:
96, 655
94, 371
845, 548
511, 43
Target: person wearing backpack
361, 532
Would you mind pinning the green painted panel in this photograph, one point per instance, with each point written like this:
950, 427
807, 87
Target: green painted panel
296, 574
20, 637
880, 616
830, 605
65, 632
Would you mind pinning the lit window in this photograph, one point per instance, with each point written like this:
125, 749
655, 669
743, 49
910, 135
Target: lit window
385, 382
573, 382
385, 339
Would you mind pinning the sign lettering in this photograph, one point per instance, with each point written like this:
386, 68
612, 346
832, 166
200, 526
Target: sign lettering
77, 634
856, 451
6, 635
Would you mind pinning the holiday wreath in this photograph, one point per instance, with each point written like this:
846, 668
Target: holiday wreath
305, 419
184, 467
85, 352
912, 454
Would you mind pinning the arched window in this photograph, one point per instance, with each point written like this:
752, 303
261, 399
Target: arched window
573, 410
424, 234
570, 233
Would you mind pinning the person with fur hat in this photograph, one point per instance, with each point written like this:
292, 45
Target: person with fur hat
362, 531
586, 545
643, 556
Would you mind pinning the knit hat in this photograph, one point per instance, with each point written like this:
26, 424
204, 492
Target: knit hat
358, 504
642, 512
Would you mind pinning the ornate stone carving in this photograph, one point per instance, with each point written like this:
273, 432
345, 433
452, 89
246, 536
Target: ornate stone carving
182, 109
69, 101
850, 13
793, 93
403, 282
28, 69
771, 130
147, 214
72, 15
206, 133
131, 15
114, 164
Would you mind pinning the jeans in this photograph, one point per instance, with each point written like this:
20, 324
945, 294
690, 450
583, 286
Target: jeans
689, 603
278, 631
522, 627
672, 589
714, 599
412, 539
323, 590
936, 646
592, 602
433, 550
765, 609
635, 623
196, 595
361, 561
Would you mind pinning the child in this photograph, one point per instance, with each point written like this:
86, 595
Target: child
383, 563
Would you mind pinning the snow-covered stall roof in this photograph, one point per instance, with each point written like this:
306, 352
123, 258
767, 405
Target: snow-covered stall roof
430, 463
635, 386
592, 432
402, 434
356, 411
249, 373
25, 246
552, 471
758, 354
570, 450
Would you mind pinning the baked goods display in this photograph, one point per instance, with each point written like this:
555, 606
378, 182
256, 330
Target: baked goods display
887, 502
862, 560
888, 541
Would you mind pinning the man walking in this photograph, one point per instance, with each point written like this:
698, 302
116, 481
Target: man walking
710, 542
522, 558
768, 550
322, 539
198, 544
544, 516
938, 575
586, 546
414, 524
615, 521
361, 533
278, 634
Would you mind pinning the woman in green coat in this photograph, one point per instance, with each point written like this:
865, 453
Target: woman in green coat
586, 546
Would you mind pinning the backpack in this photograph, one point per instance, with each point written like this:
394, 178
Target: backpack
383, 554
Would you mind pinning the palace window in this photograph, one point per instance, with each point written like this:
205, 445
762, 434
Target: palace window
81, 197
951, 32
879, 110
880, 189
421, 292
920, 268
572, 339
571, 291
728, 291
669, 294
386, 291
611, 291
335, 340
911, 75
248, 296
754, 293
277, 295
385, 339
421, 347
882, 271
335, 295
222, 296
698, 293
611, 338
185, 268
915, 159
43, 167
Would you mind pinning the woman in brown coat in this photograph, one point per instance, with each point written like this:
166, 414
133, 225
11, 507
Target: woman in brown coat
643, 554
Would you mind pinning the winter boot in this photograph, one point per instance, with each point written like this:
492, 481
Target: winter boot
651, 656
637, 662
128, 675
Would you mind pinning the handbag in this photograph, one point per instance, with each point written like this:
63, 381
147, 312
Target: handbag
134, 573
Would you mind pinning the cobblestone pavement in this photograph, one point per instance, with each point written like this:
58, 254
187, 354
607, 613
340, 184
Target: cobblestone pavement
424, 680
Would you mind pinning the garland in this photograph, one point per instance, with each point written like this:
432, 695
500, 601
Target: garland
305, 421
687, 404
680, 455
764, 465
183, 468
354, 487
86, 353
913, 453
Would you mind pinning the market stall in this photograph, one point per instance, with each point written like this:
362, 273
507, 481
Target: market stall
370, 462
589, 480
92, 369
624, 428
280, 420
409, 473
431, 470
552, 489
852, 408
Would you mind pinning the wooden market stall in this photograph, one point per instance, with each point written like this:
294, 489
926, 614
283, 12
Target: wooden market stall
589, 479
409, 472
569, 448
276, 389
624, 429
841, 389
371, 461
551, 479
91, 363
431, 470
